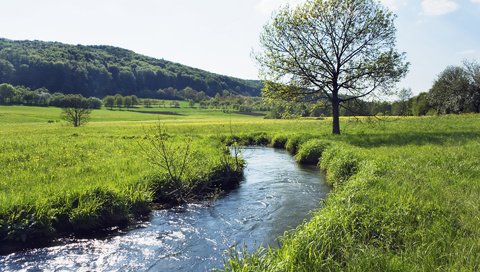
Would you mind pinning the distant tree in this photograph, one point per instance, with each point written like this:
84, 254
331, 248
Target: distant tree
75, 110
7, 92
174, 104
191, 103
147, 103
203, 104
336, 50
43, 99
134, 100
170, 93
200, 96
473, 73
127, 102
57, 99
189, 93
226, 93
94, 103
403, 97
6, 70
109, 101
419, 104
450, 91
119, 101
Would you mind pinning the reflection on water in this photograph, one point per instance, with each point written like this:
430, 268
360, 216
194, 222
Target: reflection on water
275, 197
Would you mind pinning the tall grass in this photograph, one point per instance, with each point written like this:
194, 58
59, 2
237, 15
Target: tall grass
402, 201
405, 194
58, 179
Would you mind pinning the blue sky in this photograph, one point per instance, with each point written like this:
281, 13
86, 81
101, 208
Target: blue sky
219, 35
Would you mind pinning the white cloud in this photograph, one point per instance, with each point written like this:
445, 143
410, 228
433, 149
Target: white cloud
395, 5
466, 52
476, 1
268, 6
439, 7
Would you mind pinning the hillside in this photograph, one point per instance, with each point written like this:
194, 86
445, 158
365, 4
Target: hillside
103, 70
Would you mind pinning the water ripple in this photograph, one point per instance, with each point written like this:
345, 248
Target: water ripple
276, 196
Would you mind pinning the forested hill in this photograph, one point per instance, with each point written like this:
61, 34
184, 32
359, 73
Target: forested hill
104, 70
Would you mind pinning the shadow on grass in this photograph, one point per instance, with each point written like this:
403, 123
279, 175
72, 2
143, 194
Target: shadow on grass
410, 138
250, 113
158, 112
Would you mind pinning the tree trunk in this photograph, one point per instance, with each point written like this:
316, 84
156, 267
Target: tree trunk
335, 114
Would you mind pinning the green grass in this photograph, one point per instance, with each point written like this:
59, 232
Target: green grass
405, 191
26, 114
405, 199
55, 177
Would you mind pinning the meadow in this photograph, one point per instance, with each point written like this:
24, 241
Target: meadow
405, 191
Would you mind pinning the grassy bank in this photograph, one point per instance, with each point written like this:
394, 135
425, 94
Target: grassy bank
405, 189
404, 200
57, 180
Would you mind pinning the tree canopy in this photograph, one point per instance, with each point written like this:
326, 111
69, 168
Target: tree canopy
105, 70
333, 50
457, 89
76, 110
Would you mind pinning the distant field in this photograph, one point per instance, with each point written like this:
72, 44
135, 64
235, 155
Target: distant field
406, 189
25, 114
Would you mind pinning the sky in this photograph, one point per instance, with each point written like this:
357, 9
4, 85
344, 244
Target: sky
219, 35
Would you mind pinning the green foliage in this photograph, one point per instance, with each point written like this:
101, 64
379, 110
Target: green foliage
400, 203
405, 191
7, 93
420, 105
76, 109
339, 163
294, 142
449, 92
311, 151
457, 90
334, 51
105, 70
93, 178
109, 101
279, 141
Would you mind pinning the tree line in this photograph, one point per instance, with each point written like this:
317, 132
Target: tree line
226, 100
456, 90
105, 70
21, 95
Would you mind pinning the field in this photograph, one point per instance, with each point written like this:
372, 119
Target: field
405, 189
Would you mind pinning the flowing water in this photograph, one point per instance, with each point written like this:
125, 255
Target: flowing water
275, 196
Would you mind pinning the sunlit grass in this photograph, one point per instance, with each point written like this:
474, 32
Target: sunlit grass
405, 197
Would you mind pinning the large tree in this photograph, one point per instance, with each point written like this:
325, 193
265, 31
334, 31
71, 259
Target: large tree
457, 89
337, 50
473, 73
450, 91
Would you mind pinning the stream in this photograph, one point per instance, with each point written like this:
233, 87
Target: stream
275, 196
